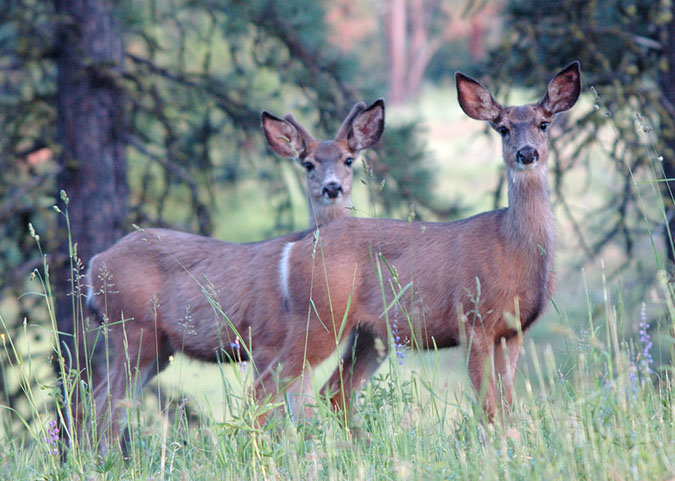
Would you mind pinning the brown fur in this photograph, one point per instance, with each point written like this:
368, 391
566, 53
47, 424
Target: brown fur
293, 319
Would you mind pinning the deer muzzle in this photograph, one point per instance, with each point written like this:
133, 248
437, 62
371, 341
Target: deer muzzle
332, 190
527, 155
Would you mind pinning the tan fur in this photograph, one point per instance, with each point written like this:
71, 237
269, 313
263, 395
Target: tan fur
507, 252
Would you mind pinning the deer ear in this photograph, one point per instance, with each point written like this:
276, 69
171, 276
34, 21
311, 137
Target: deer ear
282, 136
476, 101
367, 127
563, 90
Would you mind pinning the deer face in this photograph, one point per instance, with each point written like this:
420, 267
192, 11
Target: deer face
523, 129
328, 165
524, 136
329, 171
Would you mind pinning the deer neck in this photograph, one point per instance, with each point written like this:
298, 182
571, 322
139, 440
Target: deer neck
321, 214
528, 221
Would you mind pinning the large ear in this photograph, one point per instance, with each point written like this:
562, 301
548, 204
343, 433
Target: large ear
476, 101
563, 90
282, 136
367, 127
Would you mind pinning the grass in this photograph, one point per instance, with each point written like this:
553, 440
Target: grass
588, 404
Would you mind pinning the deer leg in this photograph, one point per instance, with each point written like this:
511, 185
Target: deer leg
359, 361
134, 363
506, 362
300, 396
272, 379
481, 372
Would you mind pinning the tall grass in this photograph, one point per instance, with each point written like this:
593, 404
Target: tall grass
601, 410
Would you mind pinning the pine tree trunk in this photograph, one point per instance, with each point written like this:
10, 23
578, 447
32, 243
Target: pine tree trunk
90, 129
667, 85
397, 50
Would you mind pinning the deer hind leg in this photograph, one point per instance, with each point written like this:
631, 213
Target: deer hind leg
359, 362
507, 354
481, 370
138, 355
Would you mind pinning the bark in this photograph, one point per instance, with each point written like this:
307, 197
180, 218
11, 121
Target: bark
397, 50
90, 130
667, 86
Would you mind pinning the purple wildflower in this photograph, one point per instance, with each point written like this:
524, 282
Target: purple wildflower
397, 343
237, 348
646, 357
53, 431
633, 379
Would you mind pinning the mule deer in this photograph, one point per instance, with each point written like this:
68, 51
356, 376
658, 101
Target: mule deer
159, 289
328, 164
479, 281
289, 298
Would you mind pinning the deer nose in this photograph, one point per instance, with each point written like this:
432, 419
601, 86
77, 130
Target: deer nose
332, 189
527, 155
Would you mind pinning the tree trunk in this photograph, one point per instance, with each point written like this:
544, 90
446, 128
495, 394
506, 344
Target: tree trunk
667, 86
397, 50
90, 130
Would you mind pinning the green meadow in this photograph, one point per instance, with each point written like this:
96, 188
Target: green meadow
594, 394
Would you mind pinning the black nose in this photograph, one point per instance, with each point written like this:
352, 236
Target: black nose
527, 155
332, 189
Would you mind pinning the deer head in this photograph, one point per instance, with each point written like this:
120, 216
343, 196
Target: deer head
328, 164
524, 129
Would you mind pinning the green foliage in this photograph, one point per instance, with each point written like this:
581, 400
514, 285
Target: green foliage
196, 76
598, 414
624, 52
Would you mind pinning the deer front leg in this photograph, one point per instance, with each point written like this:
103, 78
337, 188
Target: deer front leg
507, 354
481, 370
360, 360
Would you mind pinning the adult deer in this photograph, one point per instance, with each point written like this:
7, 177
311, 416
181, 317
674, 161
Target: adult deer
328, 164
163, 291
479, 281
289, 298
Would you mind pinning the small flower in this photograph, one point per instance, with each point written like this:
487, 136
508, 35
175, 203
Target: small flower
236, 346
633, 379
397, 343
53, 431
646, 357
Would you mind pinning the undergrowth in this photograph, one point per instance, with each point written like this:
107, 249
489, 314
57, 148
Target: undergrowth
604, 410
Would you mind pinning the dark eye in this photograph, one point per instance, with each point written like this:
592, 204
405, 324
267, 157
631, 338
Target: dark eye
543, 126
308, 165
349, 161
502, 130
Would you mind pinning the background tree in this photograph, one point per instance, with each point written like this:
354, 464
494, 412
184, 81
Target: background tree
626, 51
416, 31
148, 112
90, 132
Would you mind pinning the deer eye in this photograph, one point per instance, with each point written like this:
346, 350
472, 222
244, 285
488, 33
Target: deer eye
543, 126
502, 130
349, 161
308, 165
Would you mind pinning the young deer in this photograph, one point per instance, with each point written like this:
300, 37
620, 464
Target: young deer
162, 291
328, 164
479, 281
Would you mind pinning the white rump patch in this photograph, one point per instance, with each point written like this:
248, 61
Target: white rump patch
283, 269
